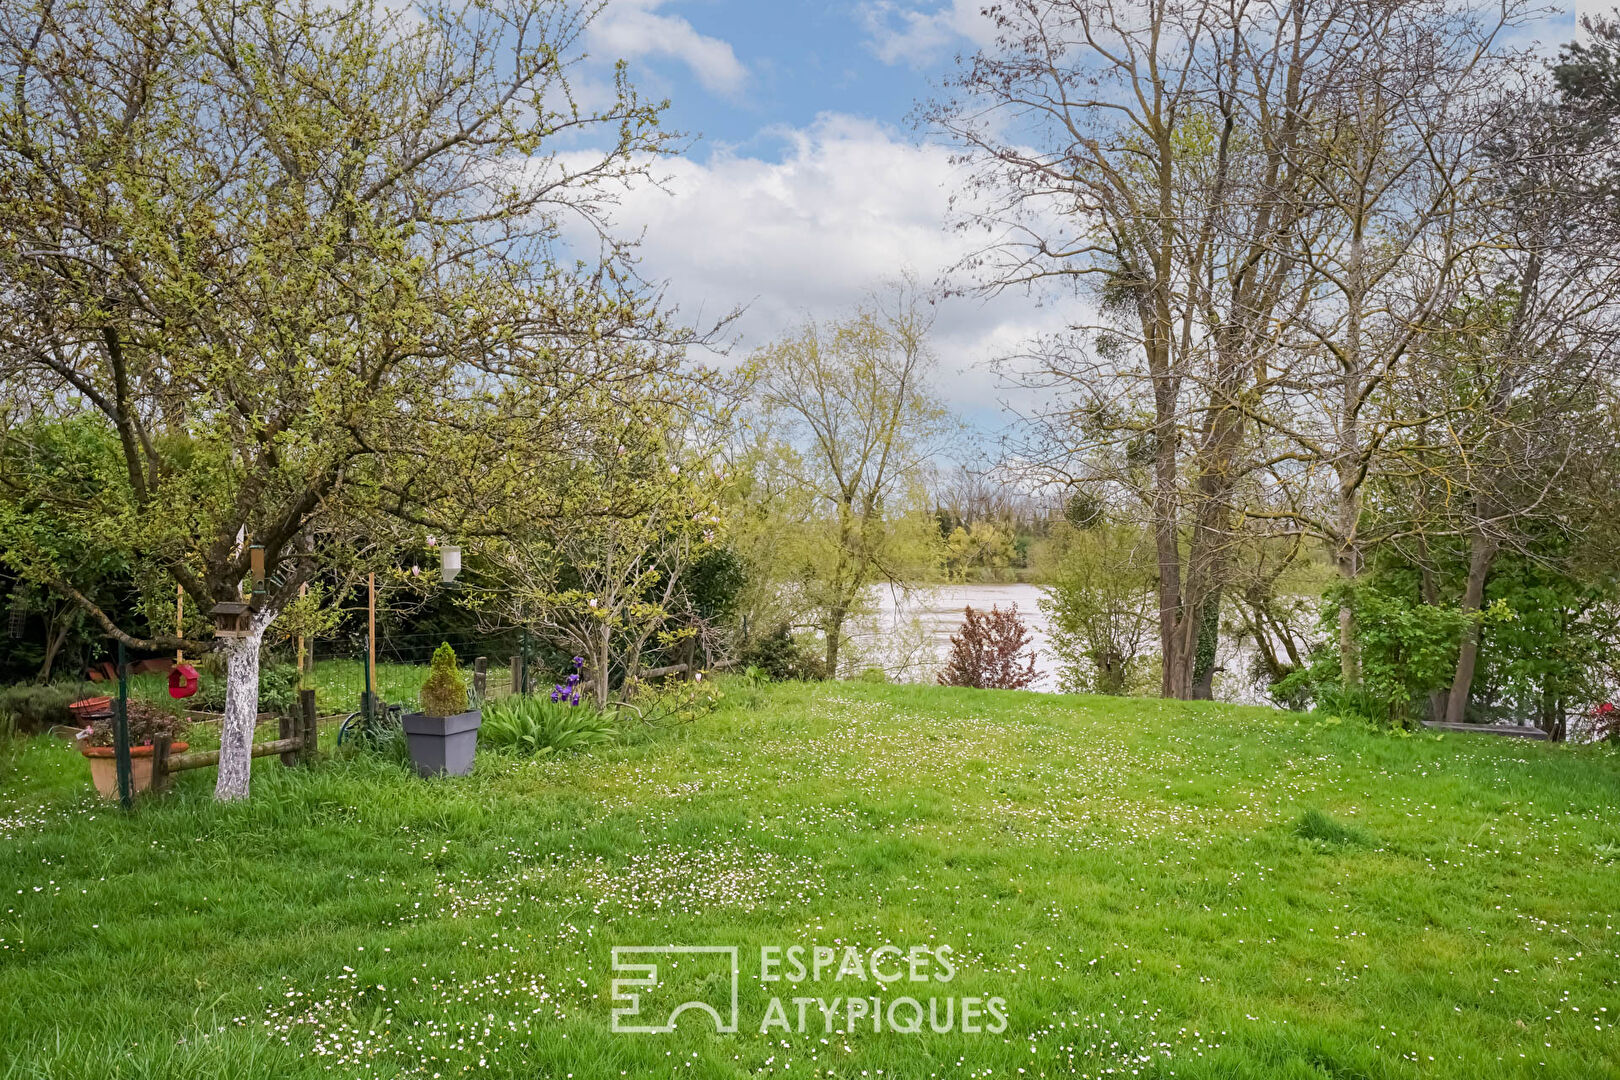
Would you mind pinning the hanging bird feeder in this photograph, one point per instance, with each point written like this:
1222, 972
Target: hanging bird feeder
182, 681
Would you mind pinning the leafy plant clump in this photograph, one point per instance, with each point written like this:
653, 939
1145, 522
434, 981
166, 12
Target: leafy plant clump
146, 724
779, 655
1318, 827
988, 652
278, 690
535, 725
445, 691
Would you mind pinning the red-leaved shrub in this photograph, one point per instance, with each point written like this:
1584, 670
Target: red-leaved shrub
987, 652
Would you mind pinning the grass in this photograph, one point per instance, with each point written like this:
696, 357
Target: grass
1155, 888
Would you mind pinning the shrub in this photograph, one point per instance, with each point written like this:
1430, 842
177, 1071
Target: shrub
445, 691
147, 722
278, 690
36, 707
987, 652
781, 656
531, 724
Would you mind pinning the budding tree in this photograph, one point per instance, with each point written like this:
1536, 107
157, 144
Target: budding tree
298, 260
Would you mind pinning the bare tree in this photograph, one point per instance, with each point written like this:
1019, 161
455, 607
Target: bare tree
853, 403
1147, 155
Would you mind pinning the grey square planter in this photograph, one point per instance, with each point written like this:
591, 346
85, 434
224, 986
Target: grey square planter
443, 745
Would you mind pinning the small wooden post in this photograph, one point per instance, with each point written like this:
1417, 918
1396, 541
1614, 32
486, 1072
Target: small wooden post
288, 729
179, 620
517, 674
126, 780
371, 632
309, 730
161, 778
481, 678
303, 590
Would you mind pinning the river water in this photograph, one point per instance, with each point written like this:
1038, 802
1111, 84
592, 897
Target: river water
910, 633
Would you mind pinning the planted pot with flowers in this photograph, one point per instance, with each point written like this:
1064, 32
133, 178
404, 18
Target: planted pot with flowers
147, 723
444, 735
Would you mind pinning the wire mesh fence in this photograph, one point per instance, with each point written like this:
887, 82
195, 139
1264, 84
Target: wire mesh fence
393, 668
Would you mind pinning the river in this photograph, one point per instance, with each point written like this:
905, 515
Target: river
909, 635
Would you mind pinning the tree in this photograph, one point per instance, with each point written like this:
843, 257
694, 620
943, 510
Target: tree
1100, 603
601, 568
298, 262
1145, 154
851, 403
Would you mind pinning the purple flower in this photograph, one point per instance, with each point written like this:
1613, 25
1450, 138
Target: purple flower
574, 678
576, 696
579, 661
556, 693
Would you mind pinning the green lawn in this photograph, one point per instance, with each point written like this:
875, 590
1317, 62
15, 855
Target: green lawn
1141, 882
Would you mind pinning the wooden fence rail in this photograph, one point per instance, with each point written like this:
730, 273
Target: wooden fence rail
299, 737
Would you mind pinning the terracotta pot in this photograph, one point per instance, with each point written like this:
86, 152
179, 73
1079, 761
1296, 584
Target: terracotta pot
104, 767
91, 708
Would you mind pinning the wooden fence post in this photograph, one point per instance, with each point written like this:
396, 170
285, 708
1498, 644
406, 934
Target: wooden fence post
309, 730
517, 674
481, 678
288, 729
161, 778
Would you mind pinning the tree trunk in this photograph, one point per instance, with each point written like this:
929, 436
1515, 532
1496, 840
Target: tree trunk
53, 645
1348, 562
1481, 554
1208, 641
241, 711
834, 629
602, 668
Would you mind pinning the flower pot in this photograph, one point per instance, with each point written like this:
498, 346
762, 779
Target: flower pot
104, 767
443, 745
91, 708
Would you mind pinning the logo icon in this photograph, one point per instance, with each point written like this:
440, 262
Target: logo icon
701, 978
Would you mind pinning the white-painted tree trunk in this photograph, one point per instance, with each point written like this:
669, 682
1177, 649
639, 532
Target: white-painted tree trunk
241, 710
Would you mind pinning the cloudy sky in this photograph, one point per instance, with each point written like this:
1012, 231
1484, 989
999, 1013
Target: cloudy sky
808, 185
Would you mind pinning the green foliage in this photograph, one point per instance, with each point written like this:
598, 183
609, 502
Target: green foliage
278, 690
444, 693
1099, 602
780, 655
535, 725
35, 707
1407, 650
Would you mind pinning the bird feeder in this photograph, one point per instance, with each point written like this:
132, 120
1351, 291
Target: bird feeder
231, 619
182, 681
449, 563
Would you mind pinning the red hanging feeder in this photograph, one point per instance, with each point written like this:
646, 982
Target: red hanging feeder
182, 681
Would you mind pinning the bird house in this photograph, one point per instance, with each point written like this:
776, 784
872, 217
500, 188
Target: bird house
182, 681
231, 619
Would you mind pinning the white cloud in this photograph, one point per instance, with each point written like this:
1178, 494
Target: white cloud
630, 29
847, 207
901, 33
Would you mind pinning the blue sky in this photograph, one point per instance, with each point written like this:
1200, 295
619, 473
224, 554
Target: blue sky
794, 60
808, 187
